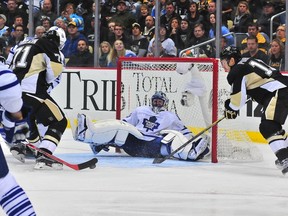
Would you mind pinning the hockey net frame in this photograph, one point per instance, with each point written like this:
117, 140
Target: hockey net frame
128, 92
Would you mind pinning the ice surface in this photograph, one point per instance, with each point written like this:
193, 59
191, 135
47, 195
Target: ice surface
122, 186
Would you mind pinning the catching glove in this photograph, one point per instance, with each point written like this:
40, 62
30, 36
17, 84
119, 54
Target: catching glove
229, 113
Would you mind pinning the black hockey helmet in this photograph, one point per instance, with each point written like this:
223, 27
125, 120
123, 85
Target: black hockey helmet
231, 52
57, 35
53, 36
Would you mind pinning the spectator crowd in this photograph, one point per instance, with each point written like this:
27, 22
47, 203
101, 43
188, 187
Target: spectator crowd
127, 28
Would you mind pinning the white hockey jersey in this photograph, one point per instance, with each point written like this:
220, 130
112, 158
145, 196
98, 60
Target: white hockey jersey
10, 90
150, 123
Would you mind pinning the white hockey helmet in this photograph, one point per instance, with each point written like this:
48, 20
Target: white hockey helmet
162, 96
61, 34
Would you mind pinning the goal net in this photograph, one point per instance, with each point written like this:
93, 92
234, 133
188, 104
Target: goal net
196, 88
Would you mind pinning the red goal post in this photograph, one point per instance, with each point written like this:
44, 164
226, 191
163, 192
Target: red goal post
196, 88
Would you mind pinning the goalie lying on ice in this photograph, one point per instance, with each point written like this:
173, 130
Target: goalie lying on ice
149, 131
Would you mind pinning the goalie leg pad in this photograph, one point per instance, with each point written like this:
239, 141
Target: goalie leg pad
176, 139
115, 131
108, 132
200, 148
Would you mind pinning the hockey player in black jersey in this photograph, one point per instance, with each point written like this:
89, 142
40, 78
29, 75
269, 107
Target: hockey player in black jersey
268, 87
37, 63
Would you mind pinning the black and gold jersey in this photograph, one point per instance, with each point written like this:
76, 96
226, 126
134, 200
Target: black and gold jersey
36, 63
252, 77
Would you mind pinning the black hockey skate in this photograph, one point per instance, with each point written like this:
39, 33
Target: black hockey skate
43, 162
282, 165
278, 164
20, 151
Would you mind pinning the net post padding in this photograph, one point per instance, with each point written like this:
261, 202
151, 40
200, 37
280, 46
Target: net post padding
201, 78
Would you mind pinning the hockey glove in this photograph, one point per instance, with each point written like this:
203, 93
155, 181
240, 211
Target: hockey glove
15, 130
229, 113
21, 131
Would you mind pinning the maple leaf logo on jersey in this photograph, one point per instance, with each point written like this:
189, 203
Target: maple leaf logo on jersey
150, 124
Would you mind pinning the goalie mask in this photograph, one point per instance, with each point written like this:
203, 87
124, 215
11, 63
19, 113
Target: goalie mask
159, 102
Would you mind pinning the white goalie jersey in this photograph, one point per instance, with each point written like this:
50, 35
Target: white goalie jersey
150, 124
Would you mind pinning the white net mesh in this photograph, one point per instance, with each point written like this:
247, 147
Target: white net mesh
189, 86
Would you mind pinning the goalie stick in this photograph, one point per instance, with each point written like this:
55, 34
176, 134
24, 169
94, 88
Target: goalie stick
88, 164
159, 160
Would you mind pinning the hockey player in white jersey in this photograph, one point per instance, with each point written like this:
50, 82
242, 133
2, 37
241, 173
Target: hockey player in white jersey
13, 198
149, 131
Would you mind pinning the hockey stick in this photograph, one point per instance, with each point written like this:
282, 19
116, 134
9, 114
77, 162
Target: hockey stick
88, 164
162, 159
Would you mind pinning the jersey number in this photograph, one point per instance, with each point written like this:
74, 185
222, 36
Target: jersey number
20, 57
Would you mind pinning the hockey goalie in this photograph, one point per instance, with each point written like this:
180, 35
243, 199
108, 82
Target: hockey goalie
149, 131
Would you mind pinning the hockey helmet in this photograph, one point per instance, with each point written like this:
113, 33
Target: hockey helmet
162, 96
57, 35
231, 52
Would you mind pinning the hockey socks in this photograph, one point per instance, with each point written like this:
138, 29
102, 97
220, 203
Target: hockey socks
13, 198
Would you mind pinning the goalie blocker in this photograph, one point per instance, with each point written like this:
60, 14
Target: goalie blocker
117, 133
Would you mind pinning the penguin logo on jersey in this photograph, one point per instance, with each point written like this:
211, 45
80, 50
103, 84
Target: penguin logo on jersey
150, 124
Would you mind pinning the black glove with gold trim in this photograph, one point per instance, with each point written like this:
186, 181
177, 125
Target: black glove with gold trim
229, 113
